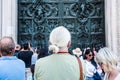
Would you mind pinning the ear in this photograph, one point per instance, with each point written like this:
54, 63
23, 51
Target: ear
11, 53
69, 43
102, 65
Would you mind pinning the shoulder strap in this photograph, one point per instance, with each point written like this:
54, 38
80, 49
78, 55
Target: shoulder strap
80, 68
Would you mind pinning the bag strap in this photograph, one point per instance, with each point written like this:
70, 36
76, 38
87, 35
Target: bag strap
80, 68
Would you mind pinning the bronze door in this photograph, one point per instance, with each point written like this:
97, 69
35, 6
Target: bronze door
83, 18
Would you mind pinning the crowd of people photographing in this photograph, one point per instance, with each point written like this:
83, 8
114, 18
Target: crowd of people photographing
26, 63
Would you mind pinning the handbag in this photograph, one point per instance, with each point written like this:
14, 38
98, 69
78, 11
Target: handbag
80, 68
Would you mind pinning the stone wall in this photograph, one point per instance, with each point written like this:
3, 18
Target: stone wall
111, 24
118, 27
8, 18
0, 18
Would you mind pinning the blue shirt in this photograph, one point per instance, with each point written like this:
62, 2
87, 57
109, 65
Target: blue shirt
11, 68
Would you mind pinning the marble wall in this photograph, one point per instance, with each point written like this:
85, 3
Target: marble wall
111, 24
118, 25
0, 18
8, 18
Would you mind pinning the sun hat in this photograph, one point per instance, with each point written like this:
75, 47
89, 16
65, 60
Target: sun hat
77, 51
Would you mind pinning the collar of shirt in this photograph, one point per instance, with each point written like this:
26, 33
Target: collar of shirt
8, 58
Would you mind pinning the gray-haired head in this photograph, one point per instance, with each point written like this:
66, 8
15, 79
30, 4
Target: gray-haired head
59, 38
7, 46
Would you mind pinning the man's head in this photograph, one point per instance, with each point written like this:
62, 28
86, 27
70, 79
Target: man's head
7, 46
25, 46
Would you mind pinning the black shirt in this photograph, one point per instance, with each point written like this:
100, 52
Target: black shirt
26, 57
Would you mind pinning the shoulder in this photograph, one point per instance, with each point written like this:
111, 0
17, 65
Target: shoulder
42, 60
19, 60
30, 51
57, 58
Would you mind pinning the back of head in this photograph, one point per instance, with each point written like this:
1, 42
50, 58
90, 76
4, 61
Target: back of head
106, 57
25, 46
7, 46
43, 53
59, 38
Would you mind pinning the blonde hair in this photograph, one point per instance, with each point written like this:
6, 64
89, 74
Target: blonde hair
59, 38
106, 57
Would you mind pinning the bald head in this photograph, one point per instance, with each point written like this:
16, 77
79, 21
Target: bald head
7, 46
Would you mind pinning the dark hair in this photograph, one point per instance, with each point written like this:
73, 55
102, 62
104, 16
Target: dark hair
6, 47
92, 60
25, 46
43, 52
87, 52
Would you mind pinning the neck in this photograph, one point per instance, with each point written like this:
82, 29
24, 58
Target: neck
113, 74
25, 50
88, 60
63, 50
6, 54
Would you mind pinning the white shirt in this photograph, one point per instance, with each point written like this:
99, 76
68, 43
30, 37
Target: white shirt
117, 77
90, 69
34, 58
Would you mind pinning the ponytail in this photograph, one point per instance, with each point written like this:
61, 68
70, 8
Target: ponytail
54, 48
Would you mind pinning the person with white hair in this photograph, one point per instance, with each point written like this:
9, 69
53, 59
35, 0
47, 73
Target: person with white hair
60, 65
108, 62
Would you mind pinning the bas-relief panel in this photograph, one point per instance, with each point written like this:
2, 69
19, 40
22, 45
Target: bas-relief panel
83, 18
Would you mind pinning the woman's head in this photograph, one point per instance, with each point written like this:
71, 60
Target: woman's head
88, 54
106, 59
59, 38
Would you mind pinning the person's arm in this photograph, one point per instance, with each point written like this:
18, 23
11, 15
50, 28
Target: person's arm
30, 48
35, 51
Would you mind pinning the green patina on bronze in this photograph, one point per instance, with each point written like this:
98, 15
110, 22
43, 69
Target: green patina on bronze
83, 18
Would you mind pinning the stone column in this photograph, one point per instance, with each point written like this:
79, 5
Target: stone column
111, 24
118, 27
9, 18
0, 18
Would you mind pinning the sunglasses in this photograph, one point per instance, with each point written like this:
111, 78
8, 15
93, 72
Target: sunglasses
90, 55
